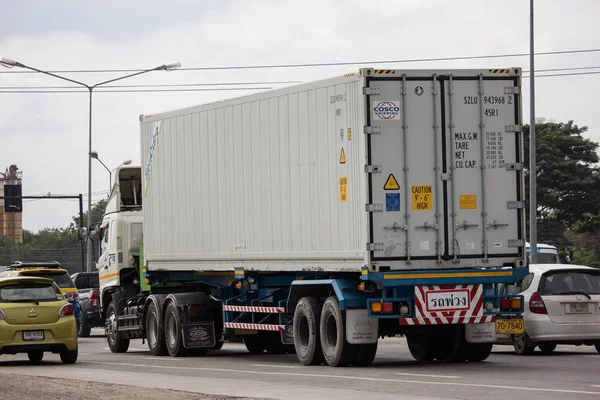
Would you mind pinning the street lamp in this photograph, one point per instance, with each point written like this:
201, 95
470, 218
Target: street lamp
7, 62
94, 155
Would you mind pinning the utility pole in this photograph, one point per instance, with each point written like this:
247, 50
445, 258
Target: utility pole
532, 151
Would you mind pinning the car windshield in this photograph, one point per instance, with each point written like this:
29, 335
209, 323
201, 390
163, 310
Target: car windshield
28, 292
62, 279
567, 282
547, 258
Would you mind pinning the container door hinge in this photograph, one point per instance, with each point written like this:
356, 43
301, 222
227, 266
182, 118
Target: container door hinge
371, 91
374, 207
372, 130
373, 169
513, 128
516, 243
514, 167
512, 90
374, 246
514, 205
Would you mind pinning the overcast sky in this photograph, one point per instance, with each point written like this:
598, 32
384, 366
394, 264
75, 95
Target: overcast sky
46, 134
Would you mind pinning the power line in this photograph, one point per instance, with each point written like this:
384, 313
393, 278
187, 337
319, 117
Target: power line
253, 88
136, 90
329, 64
105, 88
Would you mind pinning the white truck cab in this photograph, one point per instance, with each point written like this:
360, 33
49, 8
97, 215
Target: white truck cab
547, 254
120, 234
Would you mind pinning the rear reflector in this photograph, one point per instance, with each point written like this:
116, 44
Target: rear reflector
515, 304
504, 304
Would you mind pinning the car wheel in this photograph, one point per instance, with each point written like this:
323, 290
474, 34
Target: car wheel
115, 343
84, 328
173, 337
547, 348
35, 356
68, 357
522, 344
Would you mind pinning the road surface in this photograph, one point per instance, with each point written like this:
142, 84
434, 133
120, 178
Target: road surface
571, 372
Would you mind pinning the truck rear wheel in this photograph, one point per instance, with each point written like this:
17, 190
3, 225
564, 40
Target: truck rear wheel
479, 351
337, 351
173, 339
254, 343
453, 347
421, 347
116, 343
154, 334
307, 340
365, 354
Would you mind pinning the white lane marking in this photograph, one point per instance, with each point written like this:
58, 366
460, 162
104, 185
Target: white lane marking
348, 377
274, 365
429, 376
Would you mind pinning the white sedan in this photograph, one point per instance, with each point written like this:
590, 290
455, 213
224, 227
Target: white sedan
561, 306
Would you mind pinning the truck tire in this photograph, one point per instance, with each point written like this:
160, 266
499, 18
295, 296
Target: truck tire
173, 339
115, 342
254, 343
365, 354
336, 350
154, 333
218, 345
453, 347
421, 347
84, 328
273, 343
478, 351
307, 340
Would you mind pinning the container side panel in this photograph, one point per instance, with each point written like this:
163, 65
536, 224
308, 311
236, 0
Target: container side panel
325, 180
196, 183
274, 169
284, 174
204, 184
294, 146
239, 223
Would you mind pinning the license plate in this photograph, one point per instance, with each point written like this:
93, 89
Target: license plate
577, 308
448, 300
510, 326
33, 335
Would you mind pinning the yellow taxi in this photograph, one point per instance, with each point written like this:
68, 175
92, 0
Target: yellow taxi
36, 318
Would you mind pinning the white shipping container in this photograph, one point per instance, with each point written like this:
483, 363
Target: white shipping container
395, 169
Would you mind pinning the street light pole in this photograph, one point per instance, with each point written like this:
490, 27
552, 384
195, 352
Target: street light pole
7, 62
532, 151
110, 171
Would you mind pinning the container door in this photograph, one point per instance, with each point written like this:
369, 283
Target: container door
406, 149
485, 205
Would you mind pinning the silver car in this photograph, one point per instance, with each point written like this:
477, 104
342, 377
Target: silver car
561, 306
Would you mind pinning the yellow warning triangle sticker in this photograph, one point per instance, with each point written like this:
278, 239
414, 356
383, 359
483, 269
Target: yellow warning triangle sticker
391, 183
342, 157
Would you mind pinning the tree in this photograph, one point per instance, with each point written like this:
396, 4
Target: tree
566, 190
97, 214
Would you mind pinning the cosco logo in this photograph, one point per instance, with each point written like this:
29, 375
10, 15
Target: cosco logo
386, 110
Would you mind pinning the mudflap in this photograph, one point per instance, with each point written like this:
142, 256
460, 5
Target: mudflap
481, 333
287, 335
360, 328
201, 334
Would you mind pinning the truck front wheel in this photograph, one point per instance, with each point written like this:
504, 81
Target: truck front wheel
306, 331
173, 338
337, 351
116, 343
